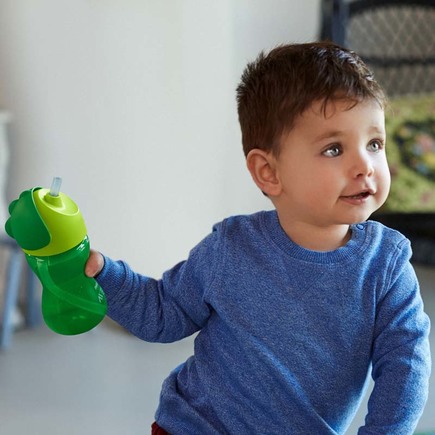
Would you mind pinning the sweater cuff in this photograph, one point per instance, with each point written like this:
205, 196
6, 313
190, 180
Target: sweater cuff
111, 277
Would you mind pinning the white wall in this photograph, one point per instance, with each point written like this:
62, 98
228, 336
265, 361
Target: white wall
132, 103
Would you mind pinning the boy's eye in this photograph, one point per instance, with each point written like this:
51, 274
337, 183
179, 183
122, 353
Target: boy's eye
332, 151
375, 146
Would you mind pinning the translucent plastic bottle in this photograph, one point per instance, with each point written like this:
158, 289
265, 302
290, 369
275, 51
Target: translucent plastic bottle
50, 229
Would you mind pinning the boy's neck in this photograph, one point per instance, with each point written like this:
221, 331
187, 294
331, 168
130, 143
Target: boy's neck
316, 238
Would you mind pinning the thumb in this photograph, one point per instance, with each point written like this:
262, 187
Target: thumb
95, 264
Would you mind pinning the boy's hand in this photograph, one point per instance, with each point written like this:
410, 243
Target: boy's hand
95, 264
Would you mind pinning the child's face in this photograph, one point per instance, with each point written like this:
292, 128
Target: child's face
332, 167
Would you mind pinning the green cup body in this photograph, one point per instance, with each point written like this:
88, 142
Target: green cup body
72, 303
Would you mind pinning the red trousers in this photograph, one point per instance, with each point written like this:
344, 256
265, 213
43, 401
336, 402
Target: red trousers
157, 430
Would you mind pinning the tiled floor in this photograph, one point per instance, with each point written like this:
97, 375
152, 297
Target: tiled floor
106, 382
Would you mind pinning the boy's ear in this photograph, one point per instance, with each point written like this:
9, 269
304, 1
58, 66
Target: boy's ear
261, 165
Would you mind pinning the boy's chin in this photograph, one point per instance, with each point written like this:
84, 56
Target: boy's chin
364, 215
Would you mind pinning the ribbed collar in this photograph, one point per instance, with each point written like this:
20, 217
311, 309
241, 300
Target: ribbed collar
354, 247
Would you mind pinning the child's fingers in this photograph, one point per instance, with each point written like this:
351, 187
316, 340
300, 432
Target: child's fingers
95, 264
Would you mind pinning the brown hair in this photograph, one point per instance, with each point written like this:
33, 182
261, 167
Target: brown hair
279, 86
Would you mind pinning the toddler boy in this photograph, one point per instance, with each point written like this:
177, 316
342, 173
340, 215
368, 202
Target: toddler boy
295, 306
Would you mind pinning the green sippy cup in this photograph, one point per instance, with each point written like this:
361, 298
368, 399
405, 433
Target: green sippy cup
50, 229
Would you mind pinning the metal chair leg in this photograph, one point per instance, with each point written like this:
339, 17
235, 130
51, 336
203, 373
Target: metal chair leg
11, 296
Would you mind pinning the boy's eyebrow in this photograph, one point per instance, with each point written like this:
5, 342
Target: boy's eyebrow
328, 135
378, 130
337, 133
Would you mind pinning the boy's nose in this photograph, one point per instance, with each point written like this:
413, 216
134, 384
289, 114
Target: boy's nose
363, 166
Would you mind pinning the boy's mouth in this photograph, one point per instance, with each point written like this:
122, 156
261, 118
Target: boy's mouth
361, 195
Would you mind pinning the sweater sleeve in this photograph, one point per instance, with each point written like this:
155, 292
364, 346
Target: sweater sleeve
401, 357
167, 309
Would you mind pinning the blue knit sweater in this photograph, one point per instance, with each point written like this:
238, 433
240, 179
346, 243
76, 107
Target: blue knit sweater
287, 336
